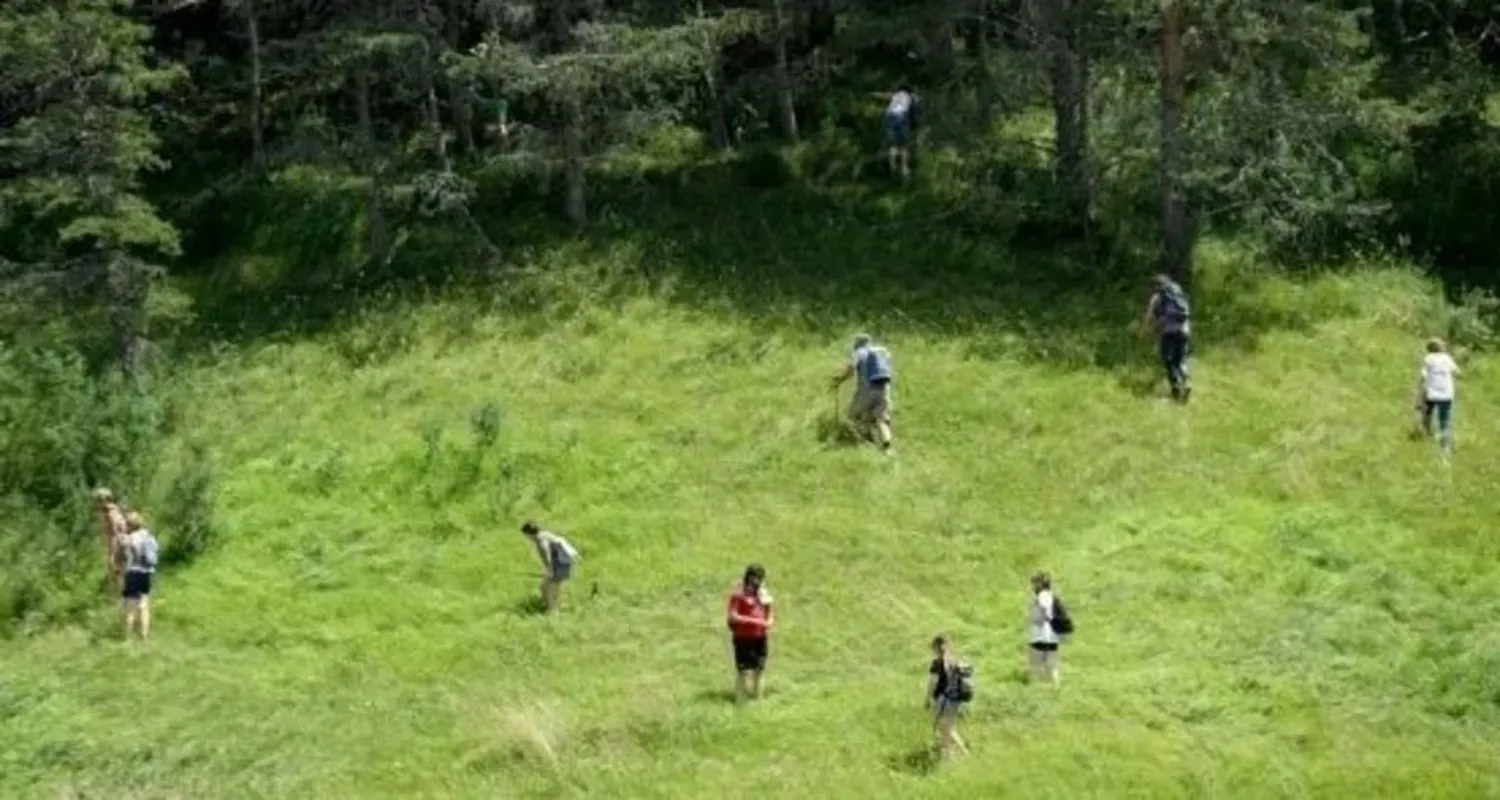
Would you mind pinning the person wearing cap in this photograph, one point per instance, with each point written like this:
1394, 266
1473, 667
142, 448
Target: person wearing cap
1168, 312
751, 617
870, 363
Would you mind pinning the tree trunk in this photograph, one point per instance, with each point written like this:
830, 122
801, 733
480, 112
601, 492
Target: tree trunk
257, 123
785, 98
434, 114
575, 185
1176, 220
458, 96
982, 60
127, 284
1060, 29
380, 238
718, 127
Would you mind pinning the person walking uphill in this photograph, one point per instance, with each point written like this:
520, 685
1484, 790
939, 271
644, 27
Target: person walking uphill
871, 407
140, 554
949, 691
1170, 314
558, 557
751, 617
1436, 390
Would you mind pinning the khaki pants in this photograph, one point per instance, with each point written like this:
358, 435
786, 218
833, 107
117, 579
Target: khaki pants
871, 404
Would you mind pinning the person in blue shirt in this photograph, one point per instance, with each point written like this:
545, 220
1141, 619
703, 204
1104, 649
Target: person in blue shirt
870, 365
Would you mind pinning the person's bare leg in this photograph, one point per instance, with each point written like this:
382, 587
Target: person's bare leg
741, 686
757, 684
127, 613
1038, 665
143, 618
893, 158
1051, 664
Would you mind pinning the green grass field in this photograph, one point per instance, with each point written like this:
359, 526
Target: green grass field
1278, 593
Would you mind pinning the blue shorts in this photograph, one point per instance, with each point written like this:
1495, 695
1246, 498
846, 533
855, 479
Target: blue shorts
948, 707
898, 129
560, 572
1442, 409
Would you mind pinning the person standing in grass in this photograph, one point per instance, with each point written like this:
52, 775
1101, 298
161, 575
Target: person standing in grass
949, 691
140, 552
1435, 392
870, 365
114, 529
751, 616
1169, 313
1047, 617
558, 557
900, 122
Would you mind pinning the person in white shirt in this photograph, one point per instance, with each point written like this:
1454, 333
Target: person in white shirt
1435, 391
1044, 640
900, 119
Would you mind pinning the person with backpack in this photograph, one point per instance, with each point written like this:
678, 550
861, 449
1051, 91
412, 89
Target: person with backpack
558, 557
1050, 622
871, 406
950, 689
140, 552
900, 122
750, 617
1435, 392
1170, 314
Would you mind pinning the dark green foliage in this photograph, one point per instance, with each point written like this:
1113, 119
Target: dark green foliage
187, 528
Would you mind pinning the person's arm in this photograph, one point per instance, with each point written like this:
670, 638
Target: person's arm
544, 552
932, 684
844, 374
770, 620
1150, 314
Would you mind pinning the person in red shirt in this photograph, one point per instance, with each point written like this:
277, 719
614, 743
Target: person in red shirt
750, 620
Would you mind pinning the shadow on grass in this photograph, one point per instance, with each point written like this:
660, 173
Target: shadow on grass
530, 606
715, 697
921, 761
788, 254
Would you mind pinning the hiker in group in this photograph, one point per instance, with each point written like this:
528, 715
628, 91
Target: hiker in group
871, 406
1169, 313
751, 617
1435, 392
1049, 624
949, 691
558, 557
140, 554
900, 124
113, 529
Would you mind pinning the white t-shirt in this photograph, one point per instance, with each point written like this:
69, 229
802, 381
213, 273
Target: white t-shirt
1438, 372
1041, 618
900, 104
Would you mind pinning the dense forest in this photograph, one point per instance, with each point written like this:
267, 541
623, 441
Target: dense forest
140, 141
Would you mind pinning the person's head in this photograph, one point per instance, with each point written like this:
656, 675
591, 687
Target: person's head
942, 645
1436, 345
1162, 281
904, 87
104, 496
134, 521
530, 528
755, 575
861, 340
1041, 581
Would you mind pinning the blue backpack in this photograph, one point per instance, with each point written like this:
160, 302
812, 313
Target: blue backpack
1173, 304
876, 365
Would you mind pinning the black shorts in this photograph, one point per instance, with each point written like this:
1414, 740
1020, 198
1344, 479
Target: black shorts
137, 584
1044, 647
750, 654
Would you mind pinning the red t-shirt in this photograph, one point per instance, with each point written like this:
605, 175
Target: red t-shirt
757, 606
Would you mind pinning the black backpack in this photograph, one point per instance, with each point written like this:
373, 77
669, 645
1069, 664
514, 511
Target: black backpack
1062, 621
960, 686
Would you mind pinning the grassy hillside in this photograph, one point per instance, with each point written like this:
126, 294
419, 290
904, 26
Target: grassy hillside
1278, 593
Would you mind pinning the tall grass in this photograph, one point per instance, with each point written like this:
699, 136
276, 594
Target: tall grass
1277, 593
